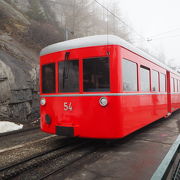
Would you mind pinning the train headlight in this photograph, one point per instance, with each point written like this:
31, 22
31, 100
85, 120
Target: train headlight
43, 101
103, 101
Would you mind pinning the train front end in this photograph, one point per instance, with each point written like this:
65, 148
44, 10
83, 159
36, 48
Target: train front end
77, 89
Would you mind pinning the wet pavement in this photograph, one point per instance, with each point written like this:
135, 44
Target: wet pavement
137, 158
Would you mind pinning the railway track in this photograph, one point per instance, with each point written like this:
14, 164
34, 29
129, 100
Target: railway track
69, 162
18, 131
34, 161
58, 153
67, 154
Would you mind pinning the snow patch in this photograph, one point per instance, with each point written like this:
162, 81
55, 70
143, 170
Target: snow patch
6, 126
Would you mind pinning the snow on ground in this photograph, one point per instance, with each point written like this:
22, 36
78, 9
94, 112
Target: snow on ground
6, 126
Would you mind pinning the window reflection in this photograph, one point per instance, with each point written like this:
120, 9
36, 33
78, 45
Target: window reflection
69, 76
96, 74
48, 78
129, 70
145, 78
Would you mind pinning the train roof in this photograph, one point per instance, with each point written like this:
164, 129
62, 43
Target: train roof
100, 40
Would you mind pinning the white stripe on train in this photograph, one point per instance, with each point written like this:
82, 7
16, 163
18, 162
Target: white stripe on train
103, 94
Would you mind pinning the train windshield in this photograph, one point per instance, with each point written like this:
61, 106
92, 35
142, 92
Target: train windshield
96, 74
48, 78
69, 76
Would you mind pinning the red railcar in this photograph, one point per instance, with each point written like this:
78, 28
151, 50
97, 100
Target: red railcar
103, 87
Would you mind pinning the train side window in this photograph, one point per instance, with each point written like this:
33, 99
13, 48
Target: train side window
175, 85
129, 72
172, 85
155, 81
48, 78
69, 76
96, 77
162, 82
145, 78
176, 88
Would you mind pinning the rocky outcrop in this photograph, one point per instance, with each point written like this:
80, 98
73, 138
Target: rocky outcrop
18, 81
26, 26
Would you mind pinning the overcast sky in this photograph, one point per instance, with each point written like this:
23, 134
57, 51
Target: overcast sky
153, 17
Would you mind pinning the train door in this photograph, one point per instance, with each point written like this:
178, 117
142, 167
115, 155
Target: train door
169, 105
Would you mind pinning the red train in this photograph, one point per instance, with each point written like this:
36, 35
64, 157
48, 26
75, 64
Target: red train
103, 87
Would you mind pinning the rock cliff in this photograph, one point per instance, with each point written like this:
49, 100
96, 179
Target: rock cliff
25, 28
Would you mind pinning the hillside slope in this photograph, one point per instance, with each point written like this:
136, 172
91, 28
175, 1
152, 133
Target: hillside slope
23, 32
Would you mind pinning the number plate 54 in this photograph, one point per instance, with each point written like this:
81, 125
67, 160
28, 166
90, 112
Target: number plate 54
67, 106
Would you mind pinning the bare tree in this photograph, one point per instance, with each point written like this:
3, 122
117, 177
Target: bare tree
86, 17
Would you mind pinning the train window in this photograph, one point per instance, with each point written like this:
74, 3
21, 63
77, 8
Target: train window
69, 76
162, 82
155, 81
96, 74
129, 71
175, 85
145, 78
48, 78
172, 85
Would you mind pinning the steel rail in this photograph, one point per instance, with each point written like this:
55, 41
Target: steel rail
66, 165
32, 157
10, 174
72, 161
